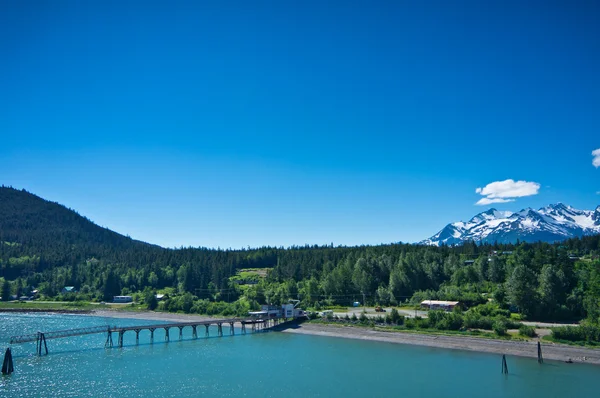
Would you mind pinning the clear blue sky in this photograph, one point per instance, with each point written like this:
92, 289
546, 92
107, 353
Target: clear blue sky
234, 124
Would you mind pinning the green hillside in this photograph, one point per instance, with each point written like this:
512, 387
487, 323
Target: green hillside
47, 246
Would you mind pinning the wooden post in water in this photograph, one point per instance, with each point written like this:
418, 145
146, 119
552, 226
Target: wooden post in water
109, 342
121, 334
7, 364
41, 343
540, 358
504, 365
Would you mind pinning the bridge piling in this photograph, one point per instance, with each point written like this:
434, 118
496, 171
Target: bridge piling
152, 335
207, 326
137, 336
109, 342
194, 332
167, 334
121, 334
41, 343
220, 329
180, 332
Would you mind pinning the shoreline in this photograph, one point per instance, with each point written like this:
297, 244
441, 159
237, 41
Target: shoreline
550, 351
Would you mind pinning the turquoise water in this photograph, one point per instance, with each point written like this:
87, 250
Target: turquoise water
266, 365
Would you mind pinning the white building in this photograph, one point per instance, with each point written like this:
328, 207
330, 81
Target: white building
122, 299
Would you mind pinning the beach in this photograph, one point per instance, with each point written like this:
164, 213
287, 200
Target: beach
558, 352
551, 351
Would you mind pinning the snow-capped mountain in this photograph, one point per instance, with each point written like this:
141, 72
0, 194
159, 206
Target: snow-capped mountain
551, 223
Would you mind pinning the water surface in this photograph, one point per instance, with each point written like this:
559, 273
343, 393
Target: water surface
266, 365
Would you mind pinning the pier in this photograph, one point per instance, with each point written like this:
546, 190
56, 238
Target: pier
255, 325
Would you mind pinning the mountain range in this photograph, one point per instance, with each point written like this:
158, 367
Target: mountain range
549, 224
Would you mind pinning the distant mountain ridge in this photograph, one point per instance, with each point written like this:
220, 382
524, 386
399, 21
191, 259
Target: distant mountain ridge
549, 224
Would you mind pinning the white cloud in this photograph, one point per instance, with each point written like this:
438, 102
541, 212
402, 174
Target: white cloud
596, 160
506, 191
487, 201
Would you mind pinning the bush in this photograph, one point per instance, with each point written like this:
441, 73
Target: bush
474, 320
395, 317
363, 318
451, 321
584, 333
499, 327
527, 331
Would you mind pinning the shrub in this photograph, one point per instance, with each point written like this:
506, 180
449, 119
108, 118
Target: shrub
499, 327
363, 318
451, 321
584, 333
395, 317
528, 331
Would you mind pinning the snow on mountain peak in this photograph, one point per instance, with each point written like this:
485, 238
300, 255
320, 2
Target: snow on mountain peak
550, 223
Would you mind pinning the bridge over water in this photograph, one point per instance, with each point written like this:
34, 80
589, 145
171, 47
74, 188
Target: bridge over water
256, 324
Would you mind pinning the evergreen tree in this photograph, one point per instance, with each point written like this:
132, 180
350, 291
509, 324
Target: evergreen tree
5, 290
521, 289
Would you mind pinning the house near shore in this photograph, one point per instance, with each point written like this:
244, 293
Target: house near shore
161, 296
122, 299
439, 304
69, 289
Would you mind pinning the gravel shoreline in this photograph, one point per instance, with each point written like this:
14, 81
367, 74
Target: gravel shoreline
558, 352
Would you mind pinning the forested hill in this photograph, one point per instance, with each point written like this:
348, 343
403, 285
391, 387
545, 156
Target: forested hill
47, 246
28, 219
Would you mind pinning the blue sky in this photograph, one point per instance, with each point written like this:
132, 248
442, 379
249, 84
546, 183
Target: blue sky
235, 124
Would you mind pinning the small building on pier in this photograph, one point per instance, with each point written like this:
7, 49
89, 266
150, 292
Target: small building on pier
283, 311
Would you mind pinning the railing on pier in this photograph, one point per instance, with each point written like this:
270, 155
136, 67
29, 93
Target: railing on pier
57, 334
257, 324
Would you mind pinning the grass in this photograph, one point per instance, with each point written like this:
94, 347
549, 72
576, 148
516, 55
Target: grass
261, 272
588, 344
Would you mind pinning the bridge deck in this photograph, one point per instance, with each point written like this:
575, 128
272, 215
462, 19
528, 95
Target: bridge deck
184, 324
25, 338
106, 328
